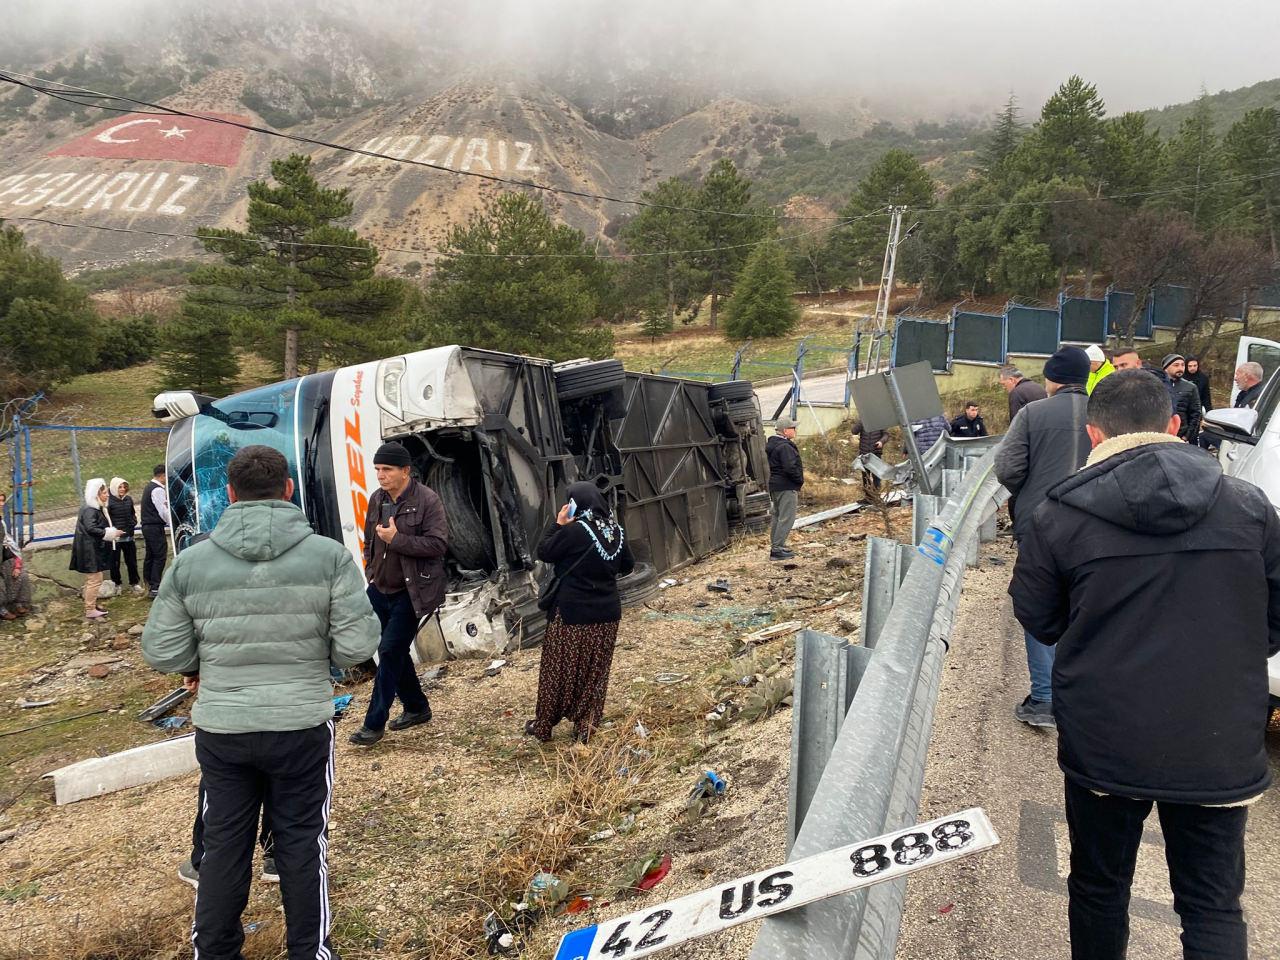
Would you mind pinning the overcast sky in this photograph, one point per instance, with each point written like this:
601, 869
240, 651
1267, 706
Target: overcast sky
1140, 53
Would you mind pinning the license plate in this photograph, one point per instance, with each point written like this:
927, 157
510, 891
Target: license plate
786, 887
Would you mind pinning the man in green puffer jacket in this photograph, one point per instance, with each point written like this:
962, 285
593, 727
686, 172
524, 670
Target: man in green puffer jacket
259, 612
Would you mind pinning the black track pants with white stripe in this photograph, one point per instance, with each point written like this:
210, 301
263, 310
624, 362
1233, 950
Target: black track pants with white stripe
291, 773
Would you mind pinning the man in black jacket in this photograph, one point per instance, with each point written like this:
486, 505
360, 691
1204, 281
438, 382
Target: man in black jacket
155, 517
786, 477
1249, 380
406, 536
1186, 397
970, 422
1152, 710
1045, 443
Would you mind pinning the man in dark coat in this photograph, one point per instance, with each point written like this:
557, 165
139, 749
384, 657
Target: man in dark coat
1046, 443
1154, 710
786, 477
406, 537
1186, 397
970, 422
155, 517
1249, 380
1021, 390
1198, 378
869, 441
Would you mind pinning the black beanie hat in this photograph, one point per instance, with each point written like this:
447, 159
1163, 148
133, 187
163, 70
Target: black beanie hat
392, 455
1068, 365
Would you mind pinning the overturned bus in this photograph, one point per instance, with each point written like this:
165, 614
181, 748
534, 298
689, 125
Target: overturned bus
499, 437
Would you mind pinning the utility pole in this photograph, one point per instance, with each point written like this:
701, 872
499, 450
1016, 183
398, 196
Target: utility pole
880, 319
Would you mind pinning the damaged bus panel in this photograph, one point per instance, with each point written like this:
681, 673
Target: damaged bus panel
499, 437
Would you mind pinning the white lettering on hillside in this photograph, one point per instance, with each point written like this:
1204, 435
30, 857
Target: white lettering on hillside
478, 154
130, 191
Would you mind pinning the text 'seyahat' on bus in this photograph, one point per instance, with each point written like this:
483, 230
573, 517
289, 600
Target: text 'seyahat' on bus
499, 437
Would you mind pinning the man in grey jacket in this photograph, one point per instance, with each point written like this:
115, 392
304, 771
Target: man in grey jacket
257, 613
1045, 444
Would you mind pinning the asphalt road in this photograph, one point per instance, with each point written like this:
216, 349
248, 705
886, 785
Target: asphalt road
1010, 903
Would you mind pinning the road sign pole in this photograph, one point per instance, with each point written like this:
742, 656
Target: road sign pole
908, 435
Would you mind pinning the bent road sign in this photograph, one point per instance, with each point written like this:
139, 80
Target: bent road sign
791, 885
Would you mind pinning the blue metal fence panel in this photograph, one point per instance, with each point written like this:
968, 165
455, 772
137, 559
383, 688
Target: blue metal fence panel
978, 337
1032, 331
1083, 320
1170, 307
1268, 296
1119, 309
916, 339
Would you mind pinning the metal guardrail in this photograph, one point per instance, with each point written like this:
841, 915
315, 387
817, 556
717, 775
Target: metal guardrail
869, 776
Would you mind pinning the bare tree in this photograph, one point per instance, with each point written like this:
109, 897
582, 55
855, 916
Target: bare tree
1150, 250
1221, 271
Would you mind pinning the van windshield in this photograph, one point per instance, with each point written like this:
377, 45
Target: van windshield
200, 449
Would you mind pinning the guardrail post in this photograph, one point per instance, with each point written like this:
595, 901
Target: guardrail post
924, 509
952, 478
880, 581
825, 676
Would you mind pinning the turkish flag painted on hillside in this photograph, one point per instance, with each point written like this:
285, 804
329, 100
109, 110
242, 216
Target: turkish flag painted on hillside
140, 136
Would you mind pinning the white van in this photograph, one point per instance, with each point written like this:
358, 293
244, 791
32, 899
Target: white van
1250, 440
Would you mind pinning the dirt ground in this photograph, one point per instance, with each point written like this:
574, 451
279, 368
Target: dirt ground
438, 825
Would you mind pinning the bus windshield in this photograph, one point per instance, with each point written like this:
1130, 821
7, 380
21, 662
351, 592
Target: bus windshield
201, 447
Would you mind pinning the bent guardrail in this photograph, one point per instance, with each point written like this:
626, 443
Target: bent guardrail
871, 781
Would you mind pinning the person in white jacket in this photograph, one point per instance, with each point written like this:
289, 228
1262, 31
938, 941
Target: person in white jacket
91, 548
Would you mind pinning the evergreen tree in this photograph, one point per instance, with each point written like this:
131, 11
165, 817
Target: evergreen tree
1005, 135
1131, 156
1253, 152
511, 279
897, 179
723, 197
197, 353
294, 281
1071, 130
1194, 167
762, 305
663, 278
47, 324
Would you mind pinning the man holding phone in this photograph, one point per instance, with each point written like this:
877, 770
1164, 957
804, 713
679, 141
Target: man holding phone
406, 537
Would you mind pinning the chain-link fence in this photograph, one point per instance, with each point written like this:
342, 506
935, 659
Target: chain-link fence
49, 465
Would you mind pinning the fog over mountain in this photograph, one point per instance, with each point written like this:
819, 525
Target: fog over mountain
904, 58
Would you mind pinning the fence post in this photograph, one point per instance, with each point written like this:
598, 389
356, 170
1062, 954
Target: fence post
75, 463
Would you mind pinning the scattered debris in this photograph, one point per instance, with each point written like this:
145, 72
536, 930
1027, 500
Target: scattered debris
164, 704
722, 714
608, 833
707, 790
341, 703
654, 871
172, 723
32, 704
996, 561
627, 823
719, 586
669, 582
667, 679
494, 668
255, 926
580, 903
772, 633
545, 890
436, 673
129, 768
944, 910
641, 731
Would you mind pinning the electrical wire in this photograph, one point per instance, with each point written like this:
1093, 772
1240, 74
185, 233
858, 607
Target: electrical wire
421, 251
21, 80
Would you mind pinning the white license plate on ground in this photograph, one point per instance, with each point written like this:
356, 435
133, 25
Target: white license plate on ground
791, 885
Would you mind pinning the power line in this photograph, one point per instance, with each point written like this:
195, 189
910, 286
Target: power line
81, 225
20, 79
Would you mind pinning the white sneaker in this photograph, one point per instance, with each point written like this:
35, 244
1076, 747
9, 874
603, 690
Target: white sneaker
139, 589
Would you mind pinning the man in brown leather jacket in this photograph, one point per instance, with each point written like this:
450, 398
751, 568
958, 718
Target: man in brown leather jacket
406, 536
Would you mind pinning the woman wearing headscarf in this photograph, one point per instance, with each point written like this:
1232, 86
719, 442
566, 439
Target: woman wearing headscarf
91, 548
589, 550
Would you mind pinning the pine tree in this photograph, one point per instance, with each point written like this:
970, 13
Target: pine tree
196, 352
1130, 158
897, 179
294, 281
1005, 135
511, 279
724, 196
1192, 172
1253, 152
1071, 130
47, 324
663, 278
761, 305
